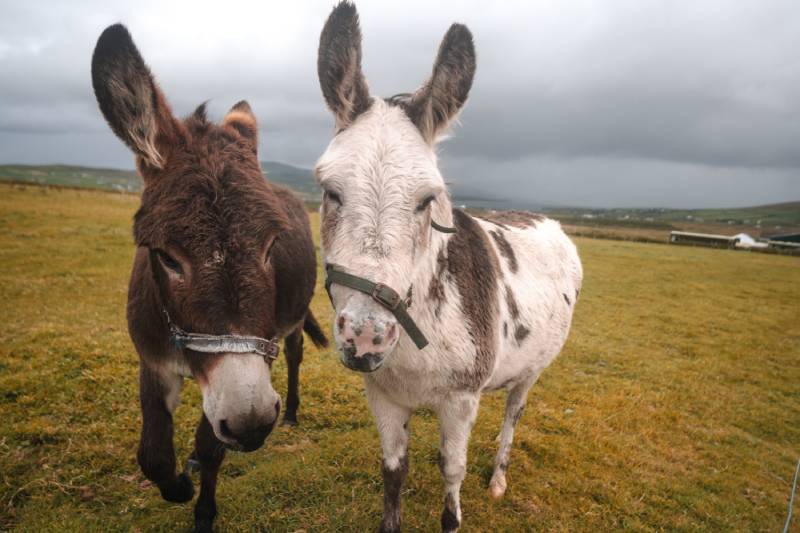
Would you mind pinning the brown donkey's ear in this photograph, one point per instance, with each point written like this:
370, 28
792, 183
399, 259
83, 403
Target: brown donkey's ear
439, 100
242, 120
129, 98
339, 65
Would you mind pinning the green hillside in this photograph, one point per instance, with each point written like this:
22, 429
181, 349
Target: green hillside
298, 179
73, 176
301, 180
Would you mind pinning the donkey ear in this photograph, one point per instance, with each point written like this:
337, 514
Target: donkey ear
439, 100
242, 120
129, 98
339, 65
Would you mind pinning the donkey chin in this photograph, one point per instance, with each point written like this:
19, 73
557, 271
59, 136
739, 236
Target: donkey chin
366, 334
239, 401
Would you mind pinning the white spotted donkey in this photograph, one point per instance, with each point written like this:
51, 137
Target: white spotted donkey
434, 306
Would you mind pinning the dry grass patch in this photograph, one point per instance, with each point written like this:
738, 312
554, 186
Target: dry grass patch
674, 406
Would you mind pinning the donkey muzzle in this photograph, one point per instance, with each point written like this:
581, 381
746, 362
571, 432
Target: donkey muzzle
239, 401
364, 336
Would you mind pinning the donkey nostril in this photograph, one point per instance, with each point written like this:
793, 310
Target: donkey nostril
340, 323
225, 430
377, 340
350, 349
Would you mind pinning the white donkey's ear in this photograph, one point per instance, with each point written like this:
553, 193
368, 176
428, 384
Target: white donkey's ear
439, 100
339, 65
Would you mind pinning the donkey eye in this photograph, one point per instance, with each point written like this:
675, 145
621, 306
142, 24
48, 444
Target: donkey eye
423, 205
169, 262
333, 197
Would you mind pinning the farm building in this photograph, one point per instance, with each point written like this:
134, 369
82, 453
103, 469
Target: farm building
702, 239
787, 237
783, 245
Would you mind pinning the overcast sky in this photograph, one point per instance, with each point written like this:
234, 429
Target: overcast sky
628, 103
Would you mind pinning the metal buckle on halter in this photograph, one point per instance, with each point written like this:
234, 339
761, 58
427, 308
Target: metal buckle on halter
386, 296
270, 348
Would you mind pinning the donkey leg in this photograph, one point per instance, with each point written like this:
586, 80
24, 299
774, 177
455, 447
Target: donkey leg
293, 350
210, 453
158, 395
515, 404
457, 415
392, 421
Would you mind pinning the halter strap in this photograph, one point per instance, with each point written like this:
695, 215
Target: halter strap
383, 294
201, 342
440, 228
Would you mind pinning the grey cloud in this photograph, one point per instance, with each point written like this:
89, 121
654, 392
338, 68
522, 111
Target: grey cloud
627, 103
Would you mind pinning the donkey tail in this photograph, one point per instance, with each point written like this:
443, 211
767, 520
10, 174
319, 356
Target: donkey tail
314, 331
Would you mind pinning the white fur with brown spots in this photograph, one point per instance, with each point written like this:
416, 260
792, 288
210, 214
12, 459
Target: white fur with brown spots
496, 309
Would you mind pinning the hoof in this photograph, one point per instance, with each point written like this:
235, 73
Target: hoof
291, 422
203, 526
180, 491
497, 487
204, 514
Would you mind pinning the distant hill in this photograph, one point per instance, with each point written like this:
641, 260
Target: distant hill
72, 176
769, 217
772, 217
298, 179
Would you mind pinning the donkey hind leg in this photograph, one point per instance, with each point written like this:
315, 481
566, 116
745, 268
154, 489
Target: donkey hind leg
159, 393
392, 421
209, 452
457, 417
515, 405
293, 350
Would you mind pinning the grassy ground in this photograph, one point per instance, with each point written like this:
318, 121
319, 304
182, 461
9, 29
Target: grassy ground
675, 405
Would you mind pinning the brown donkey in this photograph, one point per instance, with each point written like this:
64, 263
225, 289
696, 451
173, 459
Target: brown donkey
225, 267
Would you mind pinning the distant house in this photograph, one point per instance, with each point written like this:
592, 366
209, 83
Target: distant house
748, 242
702, 239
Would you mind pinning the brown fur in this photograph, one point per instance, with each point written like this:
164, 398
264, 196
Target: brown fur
505, 249
242, 120
513, 308
521, 333
449, 520
243, 247
436, 286
392, 485
517, 219
474, 266
212, 201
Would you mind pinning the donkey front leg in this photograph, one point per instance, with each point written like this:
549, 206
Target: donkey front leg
210, 452
456, 415
159, 393
392, 421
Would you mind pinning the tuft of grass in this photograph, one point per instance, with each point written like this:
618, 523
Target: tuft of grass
673, 407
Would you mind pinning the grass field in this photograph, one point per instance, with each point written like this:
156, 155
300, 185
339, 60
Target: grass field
675, 405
